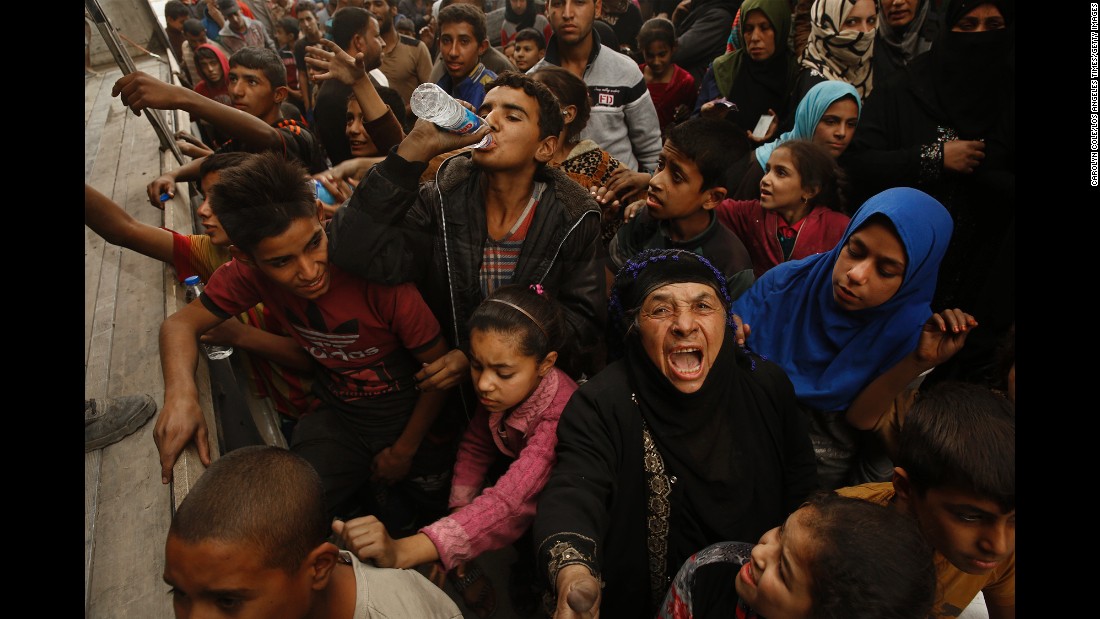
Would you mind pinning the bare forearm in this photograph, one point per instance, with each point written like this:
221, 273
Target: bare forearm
368, 98
252, 132
276, 348
414, 550
179, 355
876, 398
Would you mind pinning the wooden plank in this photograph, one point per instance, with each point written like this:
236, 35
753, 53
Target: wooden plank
131, 505
91, 509
98, 104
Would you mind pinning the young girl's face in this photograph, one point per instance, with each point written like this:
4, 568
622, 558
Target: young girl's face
870, 268
776, 581
210, 68
781, 186
504, 376
837, 126
358, 139
658, 58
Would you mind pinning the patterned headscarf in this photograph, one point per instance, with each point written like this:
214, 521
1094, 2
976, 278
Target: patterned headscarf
836, 54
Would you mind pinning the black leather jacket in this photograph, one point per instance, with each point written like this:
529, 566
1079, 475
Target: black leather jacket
393, 231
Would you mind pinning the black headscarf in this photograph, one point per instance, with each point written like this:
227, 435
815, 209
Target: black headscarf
966, 77
526, 20
710, 439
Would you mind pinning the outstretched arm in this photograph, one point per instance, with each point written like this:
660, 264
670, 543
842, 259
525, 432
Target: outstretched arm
181, 420
941, 337
116, 226
140, 91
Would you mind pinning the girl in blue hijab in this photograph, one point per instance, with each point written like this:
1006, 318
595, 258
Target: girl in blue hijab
834, 133
852, 327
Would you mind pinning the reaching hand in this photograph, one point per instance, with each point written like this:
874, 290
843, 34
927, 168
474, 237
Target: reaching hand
140, 90
942, 336
367, 539
445, 372
179, 423
332, 62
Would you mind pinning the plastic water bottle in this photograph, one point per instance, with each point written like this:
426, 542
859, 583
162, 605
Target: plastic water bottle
433, 104
323, 194
194, 291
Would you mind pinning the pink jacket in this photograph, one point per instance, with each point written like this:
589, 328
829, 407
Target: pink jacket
501, 513
756, 227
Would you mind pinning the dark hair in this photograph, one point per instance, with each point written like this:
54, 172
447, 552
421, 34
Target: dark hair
306, 5
263, 60
463, 13
871, 561
818, 169
656, 29
961, 436
538, 331
261, 197
477, 4
267, 497
530, 34
193, 27
392, 3
570, 90
289, 25
221, 161
348, 22
550, 120
711, 144
174, 9
1004, 359
209, 54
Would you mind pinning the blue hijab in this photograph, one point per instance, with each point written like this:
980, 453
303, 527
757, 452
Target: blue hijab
809, 112
831, 354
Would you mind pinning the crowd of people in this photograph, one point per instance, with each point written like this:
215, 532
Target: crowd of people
719, 322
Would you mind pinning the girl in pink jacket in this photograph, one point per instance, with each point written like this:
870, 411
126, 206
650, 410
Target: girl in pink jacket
514, 337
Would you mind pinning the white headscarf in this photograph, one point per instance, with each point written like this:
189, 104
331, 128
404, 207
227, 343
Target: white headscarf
839, 55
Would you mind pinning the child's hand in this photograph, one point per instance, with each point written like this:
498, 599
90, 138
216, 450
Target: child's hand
391, 466
367, 539
332, 62
140, 90
161, 185
770, 133
942, 336
225, 334
426, 140
446, 371
179, 423
626, 184
632, 210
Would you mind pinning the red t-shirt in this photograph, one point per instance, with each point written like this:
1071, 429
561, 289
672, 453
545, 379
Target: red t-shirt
361, 334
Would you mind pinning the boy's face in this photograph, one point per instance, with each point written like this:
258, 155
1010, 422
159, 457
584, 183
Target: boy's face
214, 578
572, 19
236, 23
195, 39
297, 259
460, 49
252, 93
526, 55
307, 23
971, 532
211, 226
211, 69
676, 189
513, 118
175, 24
282, 37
